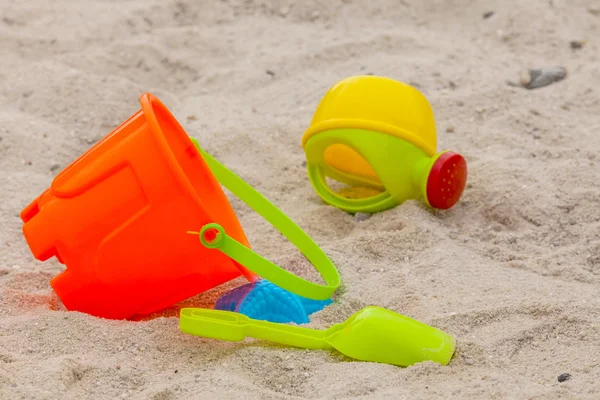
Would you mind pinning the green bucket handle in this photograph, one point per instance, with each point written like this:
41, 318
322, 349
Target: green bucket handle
255, 262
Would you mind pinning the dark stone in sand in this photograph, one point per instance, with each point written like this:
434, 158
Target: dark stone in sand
564, 377
536, 78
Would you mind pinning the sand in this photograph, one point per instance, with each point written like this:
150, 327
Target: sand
513, 271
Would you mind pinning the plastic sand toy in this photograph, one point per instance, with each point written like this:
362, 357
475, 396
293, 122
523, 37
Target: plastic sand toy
266, 301
372, 334
378, 135
119, 218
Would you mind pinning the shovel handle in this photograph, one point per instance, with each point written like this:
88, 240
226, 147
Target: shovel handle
234, 327
213, 324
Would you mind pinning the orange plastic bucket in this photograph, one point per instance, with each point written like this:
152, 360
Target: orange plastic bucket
117, 218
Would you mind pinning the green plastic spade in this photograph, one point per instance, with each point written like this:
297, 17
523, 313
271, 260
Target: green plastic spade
372, 334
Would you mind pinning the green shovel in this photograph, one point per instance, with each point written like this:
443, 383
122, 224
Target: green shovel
372, 334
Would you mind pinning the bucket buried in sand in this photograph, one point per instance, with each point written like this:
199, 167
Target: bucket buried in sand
119, 216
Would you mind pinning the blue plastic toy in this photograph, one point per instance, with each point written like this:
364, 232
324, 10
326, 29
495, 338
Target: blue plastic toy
266, 301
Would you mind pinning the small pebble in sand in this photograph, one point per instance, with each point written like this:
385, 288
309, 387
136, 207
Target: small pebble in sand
118, 366
289, 367
564, 377
468, 361
271, 73
450, 129
360, 216
192, 117
488, 14
537, 78
577, 44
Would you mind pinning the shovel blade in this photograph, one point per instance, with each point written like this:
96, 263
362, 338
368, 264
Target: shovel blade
379, 335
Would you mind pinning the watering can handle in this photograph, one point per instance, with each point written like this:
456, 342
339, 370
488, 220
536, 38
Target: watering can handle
253, 261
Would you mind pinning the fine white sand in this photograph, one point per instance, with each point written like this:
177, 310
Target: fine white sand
513, 271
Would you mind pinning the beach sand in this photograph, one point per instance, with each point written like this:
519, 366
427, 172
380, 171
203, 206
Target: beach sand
512, 271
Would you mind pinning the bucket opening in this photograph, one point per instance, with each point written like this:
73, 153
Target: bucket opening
182, 147
194, 174
205, 188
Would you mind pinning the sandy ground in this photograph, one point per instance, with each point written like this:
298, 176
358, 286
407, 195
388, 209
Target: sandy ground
513, 271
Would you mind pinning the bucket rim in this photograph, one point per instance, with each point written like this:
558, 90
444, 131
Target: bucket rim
149, 102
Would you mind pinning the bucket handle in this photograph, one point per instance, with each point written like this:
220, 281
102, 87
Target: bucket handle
214, 236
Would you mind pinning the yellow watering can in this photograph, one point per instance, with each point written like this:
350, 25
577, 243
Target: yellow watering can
378, 135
